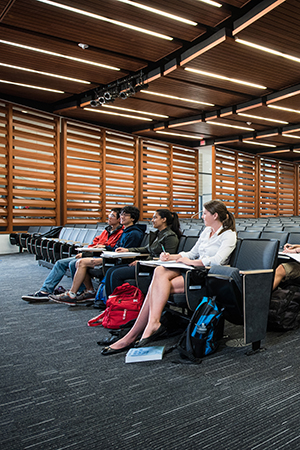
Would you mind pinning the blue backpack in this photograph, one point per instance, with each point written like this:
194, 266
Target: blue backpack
203, 332
100, 295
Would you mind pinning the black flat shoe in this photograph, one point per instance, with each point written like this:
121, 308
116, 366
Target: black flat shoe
159, 333
113, 351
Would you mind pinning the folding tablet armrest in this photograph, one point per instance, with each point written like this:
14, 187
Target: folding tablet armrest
257, 290
143, 276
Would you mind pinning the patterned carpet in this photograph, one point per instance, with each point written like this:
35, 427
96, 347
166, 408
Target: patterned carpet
58, 392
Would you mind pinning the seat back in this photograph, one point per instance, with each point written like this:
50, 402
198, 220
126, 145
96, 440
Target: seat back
257, 254
294, 238
249, 234
281, 236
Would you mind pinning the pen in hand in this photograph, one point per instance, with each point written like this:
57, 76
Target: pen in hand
163, 248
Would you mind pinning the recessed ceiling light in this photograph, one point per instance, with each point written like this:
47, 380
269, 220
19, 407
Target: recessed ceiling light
262, 118
282, 108
180, 135
212, 3
221, 77
135, 111
159, 12
31, 86
44, 73
176, 98
59, 55
290, 136
101, 111
228, 125
258, 143
106, 19
268, 50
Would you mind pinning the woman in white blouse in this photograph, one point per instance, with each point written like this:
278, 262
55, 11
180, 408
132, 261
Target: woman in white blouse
214, 246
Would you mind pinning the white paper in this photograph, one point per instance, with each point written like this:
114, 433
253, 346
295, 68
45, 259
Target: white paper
168, 264
295, 256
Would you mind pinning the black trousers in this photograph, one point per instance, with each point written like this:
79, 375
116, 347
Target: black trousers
116, 276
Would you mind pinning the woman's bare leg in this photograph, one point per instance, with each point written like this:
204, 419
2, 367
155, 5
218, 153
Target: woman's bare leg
165, 282
137, 328
280, 273
173, 283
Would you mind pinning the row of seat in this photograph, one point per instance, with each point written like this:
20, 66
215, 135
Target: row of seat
282, 236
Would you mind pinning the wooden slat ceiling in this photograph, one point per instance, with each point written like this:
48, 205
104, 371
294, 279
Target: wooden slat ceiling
211, 45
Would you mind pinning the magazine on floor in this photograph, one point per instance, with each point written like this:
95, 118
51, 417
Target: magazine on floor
140, 354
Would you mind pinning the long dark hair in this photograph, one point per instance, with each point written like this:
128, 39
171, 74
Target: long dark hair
172, 220
225, 216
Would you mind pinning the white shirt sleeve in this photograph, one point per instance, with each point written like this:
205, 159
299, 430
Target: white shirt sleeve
213, 250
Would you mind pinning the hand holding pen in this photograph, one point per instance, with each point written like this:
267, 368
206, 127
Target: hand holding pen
164, 256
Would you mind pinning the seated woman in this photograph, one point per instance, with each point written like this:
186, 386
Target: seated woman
287, 271
214, 246
165, 239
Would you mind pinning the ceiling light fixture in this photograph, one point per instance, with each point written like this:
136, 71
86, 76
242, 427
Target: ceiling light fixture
263, 118
101, 111
212, 3
180, 135
258, 143
282, 108
290, 136
59, 55
228, 125
159, 12
221, 77
106, 19
32, 87
44, 73
267, 50
135, 111
177, 98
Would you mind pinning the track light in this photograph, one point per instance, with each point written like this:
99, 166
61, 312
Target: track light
94, 103
121, 88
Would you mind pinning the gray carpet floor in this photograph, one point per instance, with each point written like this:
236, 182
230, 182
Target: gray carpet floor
58, 392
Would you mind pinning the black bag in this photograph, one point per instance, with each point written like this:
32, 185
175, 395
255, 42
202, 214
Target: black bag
203, 332
284, 309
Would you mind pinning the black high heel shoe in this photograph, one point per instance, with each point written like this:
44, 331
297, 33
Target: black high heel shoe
113, 351
159, 333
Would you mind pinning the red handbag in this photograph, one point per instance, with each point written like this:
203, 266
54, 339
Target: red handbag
122, 305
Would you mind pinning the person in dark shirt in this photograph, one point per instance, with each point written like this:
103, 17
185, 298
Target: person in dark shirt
132, 236
164, 239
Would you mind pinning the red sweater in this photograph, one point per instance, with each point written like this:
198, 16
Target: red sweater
106, 238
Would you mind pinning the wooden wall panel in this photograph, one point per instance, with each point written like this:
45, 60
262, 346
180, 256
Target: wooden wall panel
156, 183
34, 154
255, 186
4, 165
224, 178
185, 181
286, 189
82, 173
121, 169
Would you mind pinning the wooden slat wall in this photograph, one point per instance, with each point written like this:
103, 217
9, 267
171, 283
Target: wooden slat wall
255, 186
156, 184
185, 181
247, 195
82, 174
268, 188
286, 189
4, 164
225, 178
121, 169
29, 154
